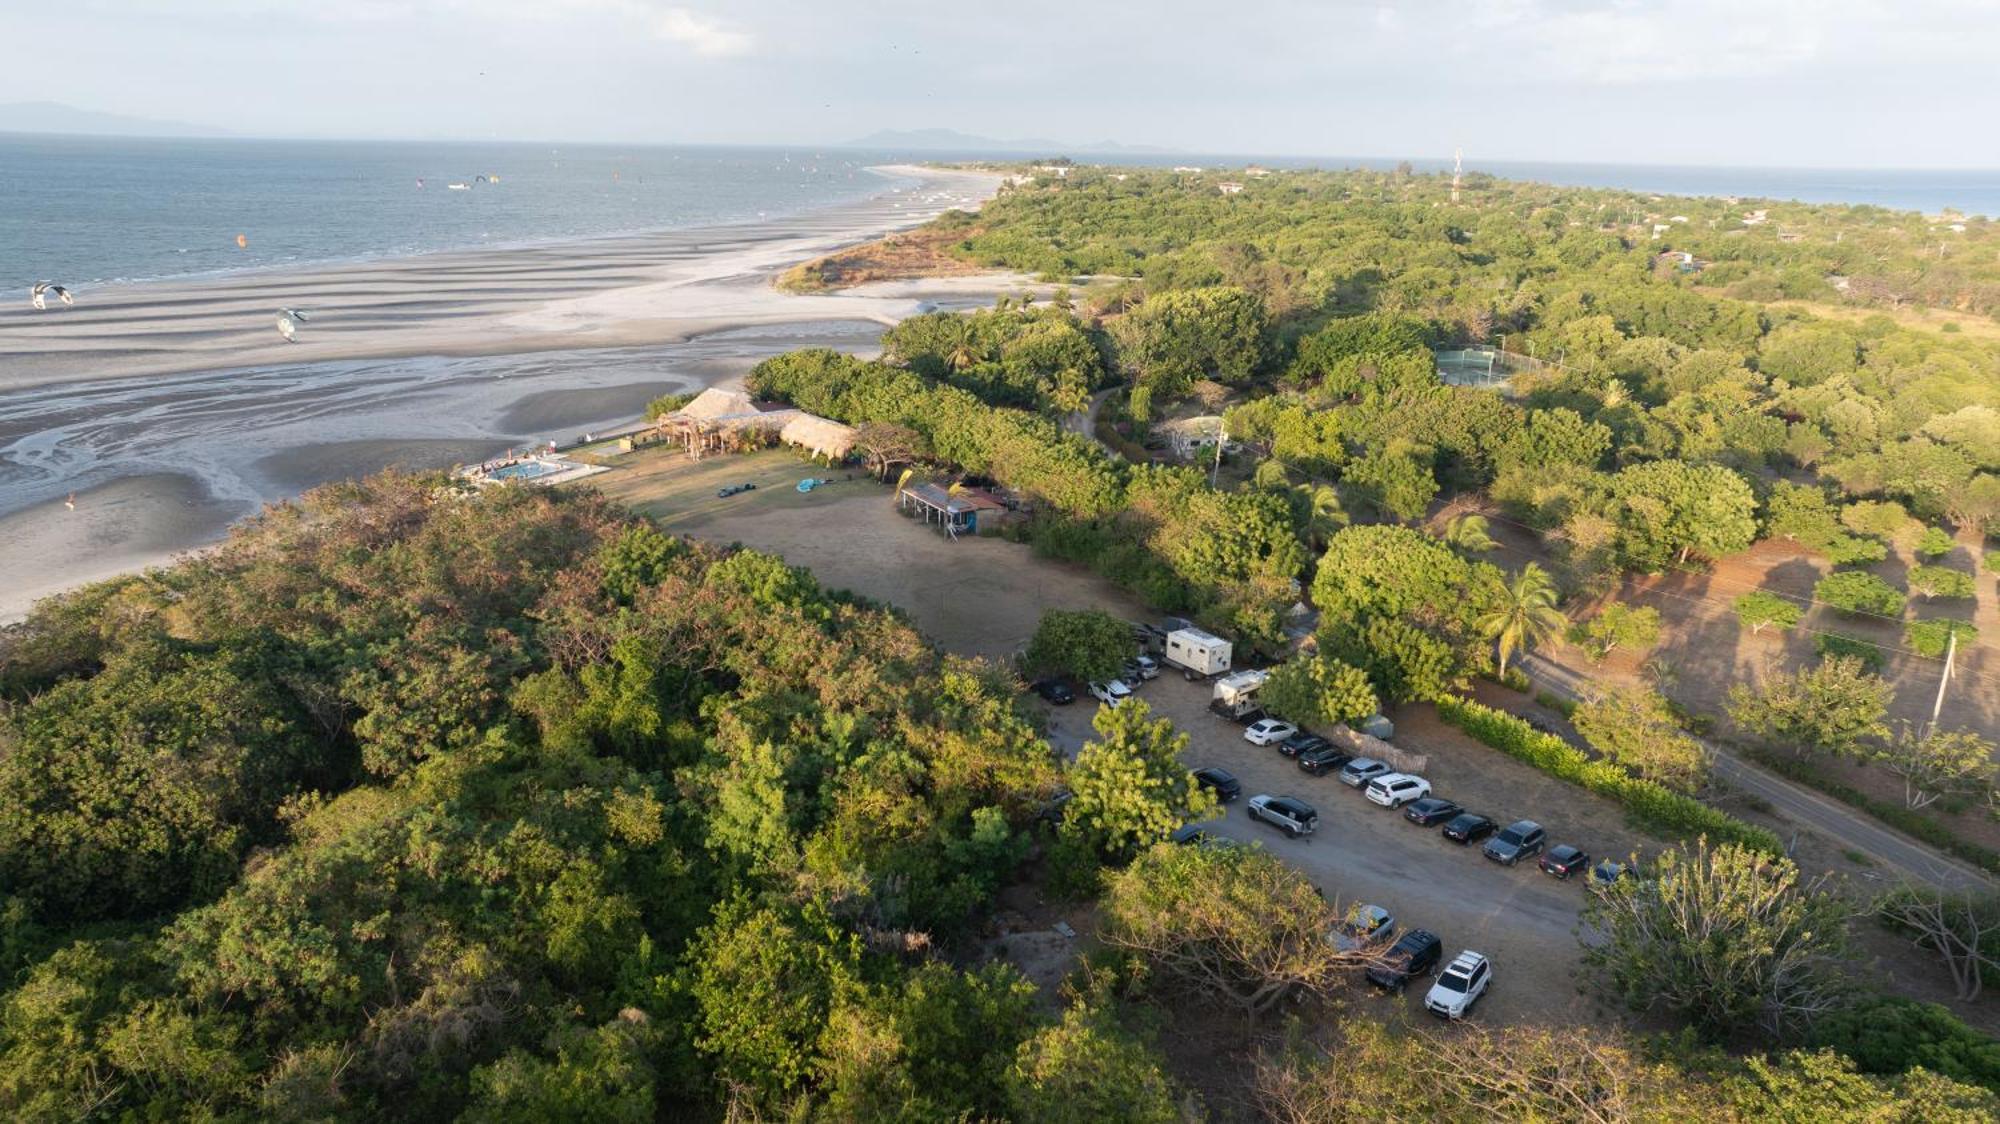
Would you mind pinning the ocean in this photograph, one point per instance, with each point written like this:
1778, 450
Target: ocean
91, 210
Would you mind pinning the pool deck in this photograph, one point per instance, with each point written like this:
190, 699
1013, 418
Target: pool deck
555, 470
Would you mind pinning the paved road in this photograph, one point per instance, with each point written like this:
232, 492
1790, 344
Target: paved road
1801, 805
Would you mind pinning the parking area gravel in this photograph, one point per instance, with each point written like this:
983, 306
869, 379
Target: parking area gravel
1522, 919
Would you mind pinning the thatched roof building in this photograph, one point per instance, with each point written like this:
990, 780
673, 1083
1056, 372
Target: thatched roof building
819, 436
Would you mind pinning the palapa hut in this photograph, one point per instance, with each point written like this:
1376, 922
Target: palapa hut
819, 436
720, 420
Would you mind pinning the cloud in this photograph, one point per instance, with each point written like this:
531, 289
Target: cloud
701, 34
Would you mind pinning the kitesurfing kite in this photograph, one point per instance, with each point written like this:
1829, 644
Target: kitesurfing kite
288, 321
40, 293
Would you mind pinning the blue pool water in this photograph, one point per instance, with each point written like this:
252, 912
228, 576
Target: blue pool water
526, 470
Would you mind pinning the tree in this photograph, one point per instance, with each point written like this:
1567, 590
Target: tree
1853, 591
1317, 690
1469, 534
1763, 609
1131, 788
1725, 937
1179, 336
1086, 1069
1619, 626
886, 445
1230, 923
1670, 509
1940, 581
1829, 709
1635, 729
1962, 929
1939, 764
1396, 479
1523, 614
1931, 638
1934, 543
1089, 644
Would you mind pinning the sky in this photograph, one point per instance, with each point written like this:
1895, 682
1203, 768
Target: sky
1804, 83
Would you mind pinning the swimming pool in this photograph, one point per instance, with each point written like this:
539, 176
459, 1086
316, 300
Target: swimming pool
526, 470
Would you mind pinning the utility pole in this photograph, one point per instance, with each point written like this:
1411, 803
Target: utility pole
1221, 439
1457, 171
1950, 650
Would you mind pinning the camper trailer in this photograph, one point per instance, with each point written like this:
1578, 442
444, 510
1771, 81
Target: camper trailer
1236, 695
1197, 653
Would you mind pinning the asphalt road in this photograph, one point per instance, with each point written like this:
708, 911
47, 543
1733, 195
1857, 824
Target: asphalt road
1830, 818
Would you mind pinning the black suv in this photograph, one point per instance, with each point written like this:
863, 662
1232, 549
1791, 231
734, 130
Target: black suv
1319, 762
1417, 954
1302, 742
1469, 827
1431, 811
1564, 860
1221, 781
1055, 691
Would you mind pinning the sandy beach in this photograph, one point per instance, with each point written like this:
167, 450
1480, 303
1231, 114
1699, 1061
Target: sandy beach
171, 409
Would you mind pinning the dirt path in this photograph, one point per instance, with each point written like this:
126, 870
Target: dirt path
1802, 805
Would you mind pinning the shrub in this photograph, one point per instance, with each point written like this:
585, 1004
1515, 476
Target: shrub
1853, 591
1651, 804
1930, 638
1890, 1034
666, 404
1832, 645
1935, 543
1940, 581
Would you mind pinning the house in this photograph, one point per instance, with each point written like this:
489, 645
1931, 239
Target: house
954, 510
1189, 436
1229, 187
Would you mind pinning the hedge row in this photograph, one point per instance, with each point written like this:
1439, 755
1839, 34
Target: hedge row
1912, 823
1650, 803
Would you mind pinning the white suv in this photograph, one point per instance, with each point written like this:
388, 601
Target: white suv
1393, 790
1113, 693
1459, 986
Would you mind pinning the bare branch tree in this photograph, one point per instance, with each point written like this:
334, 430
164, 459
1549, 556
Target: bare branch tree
1958, 927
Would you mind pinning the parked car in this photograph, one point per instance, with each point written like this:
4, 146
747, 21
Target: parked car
1468, 828
1221, 782
1112, 693
1563, 860
1393, 790
1361, 770
1288, 814
1415, 955
1516, 842
1055, 691
1192, 835
1431, 811
1611, 870
1364, 925
1142, 668
1057, 807
1459, 986
1301, 742
1268, 731
1323, 760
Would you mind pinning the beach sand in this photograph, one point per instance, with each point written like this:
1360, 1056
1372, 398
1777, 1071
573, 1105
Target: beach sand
173, 408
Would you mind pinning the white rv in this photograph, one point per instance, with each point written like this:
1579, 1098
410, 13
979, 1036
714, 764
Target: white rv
1197, 653
1236, 695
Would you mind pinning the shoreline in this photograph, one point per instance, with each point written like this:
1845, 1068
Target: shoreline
164, 446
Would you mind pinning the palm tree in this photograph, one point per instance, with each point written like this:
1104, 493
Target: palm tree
1324, 515
1468, 534
1524, 613
961, 345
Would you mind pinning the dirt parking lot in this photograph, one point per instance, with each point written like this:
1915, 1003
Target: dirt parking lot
1521, 918
978, 596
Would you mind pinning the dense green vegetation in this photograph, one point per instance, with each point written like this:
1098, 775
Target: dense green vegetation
402, 805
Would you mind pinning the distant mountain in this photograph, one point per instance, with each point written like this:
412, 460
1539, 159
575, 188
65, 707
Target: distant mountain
954, 141
55, 117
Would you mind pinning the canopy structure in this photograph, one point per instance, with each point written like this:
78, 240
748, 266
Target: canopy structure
819, 436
